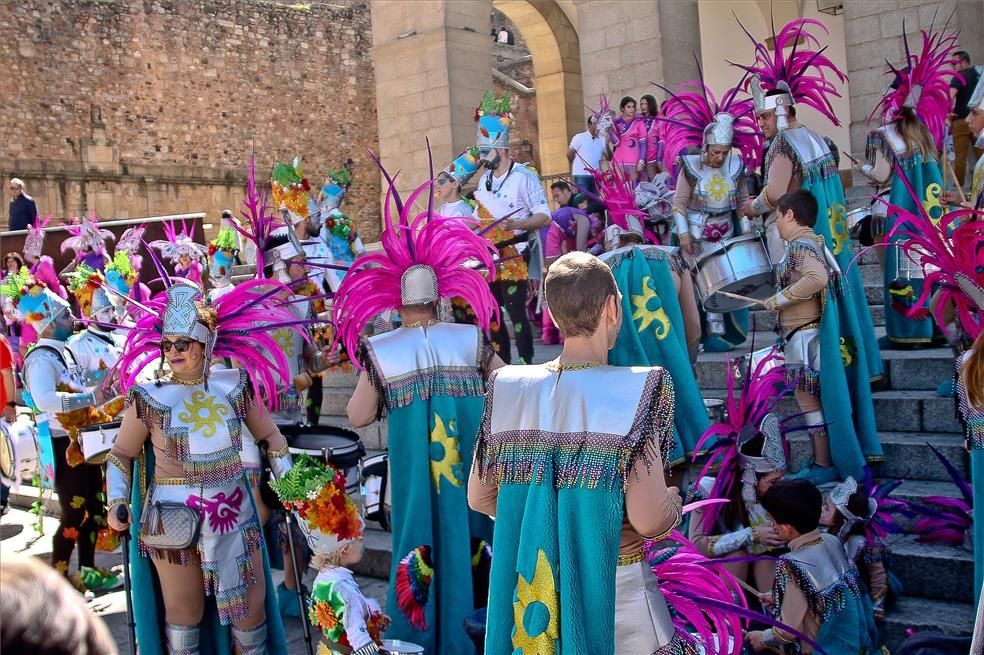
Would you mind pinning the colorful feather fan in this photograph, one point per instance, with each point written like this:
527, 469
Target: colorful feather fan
946, 520
86, 236
802, 72
692, 107
882, 523
414, 575
923, 83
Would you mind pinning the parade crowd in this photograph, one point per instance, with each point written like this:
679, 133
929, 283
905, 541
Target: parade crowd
596, 503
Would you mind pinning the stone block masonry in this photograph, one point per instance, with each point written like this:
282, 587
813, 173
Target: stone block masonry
138, 107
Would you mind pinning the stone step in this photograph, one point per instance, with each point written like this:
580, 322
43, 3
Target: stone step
932, 570
917, 491
906, 454
895, 411
766, 320
924, 614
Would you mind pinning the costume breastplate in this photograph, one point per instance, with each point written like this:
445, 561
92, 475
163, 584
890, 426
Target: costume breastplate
202, 429
714, 190
95, 356
820, 566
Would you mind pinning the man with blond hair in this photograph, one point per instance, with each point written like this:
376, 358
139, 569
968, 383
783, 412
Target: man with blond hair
23, 210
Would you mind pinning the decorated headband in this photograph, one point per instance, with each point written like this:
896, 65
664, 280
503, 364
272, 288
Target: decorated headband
38, 304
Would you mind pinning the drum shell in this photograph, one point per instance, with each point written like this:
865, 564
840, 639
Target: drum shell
341, 448
741, 266
398, 647
715, 410
97, 440
374, 481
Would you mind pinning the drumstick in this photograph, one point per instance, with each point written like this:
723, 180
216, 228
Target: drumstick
747, 587
742, 298
953, 176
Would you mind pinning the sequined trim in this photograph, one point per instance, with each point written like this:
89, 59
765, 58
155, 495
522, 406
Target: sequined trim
803, 378
877, 143
578, 459
115, 460
678, 646
674, 260
629, 559
822, 168
698, 198
972, 418
825, 603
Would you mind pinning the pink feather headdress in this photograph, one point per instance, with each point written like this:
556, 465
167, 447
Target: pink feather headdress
618, 196
951, 250
688, 112
34, 241
86, 236
923, 83
179, 242
259, 220
447, 247
801, 73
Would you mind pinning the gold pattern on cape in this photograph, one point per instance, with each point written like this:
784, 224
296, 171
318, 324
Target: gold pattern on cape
536, 610
643, 316
445, 458
202, 414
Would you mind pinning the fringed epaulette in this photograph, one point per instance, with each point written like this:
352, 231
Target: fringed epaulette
149, 411
878, 143
972, 418
825, 603
586, 460
369, 366
821, 168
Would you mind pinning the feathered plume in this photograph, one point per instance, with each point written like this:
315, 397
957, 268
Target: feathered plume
946, 520
179, 242
951, 249
882, 523
259, 220
414, 575
761, 389
692, 107
86, 236
618, 196
923, 83
802, 71
373, 282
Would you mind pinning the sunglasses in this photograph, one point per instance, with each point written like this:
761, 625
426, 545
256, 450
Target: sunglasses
441, 181
181, 345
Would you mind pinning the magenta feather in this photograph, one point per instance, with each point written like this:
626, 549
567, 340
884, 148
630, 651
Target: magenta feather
616, 192
803, 70
258, 215
946, 520
931, 71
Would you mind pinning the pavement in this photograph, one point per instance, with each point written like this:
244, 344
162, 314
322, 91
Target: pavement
19, 537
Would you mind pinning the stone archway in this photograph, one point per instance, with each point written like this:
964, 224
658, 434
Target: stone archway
553, 42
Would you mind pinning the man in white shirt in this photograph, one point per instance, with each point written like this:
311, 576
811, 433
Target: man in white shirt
584, 152
510, 189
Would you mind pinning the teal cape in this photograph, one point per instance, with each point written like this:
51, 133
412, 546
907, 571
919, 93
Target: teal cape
849, 357
652, 334
148, 605
977, 482
901, 294
559, 513
434, 416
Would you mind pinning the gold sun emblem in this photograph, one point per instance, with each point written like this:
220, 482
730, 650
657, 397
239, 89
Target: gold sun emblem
838, 227
445, 460
644, 316
202, 414
285, 339
932, 204
718, 187
535, 611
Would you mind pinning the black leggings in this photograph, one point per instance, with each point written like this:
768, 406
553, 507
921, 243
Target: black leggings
83, 509
512, 296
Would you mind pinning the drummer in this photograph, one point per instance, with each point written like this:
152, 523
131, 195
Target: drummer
710, 187
53, 377
95, 349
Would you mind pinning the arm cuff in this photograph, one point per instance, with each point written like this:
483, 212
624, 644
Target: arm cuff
785, 299
72, 401
680, 223
761, 204
117, 480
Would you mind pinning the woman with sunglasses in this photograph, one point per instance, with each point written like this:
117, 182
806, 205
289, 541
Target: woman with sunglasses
449, 182
193, 516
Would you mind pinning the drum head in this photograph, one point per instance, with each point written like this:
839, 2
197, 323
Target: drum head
340, 447
8, 460
398, 647
759, 286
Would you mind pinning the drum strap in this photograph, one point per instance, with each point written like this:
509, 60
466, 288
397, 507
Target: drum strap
805, 326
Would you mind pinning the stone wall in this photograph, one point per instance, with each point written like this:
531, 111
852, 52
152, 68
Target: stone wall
140, 107
873, 33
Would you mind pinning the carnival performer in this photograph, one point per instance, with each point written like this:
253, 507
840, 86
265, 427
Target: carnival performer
222, 252
975, 120
649, 109
799, 157
807, 280
123, 272
746, 453
818, 590
576, 484
627, 136
88, 242
430, 378
339, 233
94, 349
710, 186
657, 298
180, 248
510, 191
57, 389
348, 621
195, 519
913, 125
449, 182
42, 266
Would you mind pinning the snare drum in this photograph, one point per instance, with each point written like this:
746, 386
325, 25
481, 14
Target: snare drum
398, 647
374, 478
97, 440
19, 452
741, 266
339, 447
8, 455
909, 266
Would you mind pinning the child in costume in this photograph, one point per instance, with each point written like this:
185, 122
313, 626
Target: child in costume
818, 590
914, 112
182, 251
806, 279
429, 376
449, 182
710, 186
333, 530
42, 267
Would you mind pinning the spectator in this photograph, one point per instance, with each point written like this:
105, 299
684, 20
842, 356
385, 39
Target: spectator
494, 34
562, 194
40, 612
503, 37
510, 39
961, 88
23, 210
584, 152
12, 263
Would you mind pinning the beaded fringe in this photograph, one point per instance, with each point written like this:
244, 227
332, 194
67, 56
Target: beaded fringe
586, 459
232, 603
876, 143
825, 603
972, 419
803, 378
821, 168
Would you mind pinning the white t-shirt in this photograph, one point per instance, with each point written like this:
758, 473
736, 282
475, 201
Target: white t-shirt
589, 151
520, 189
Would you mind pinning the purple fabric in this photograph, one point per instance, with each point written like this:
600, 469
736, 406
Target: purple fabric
94, 260
565, 219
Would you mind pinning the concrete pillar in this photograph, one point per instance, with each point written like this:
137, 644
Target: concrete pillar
432, 60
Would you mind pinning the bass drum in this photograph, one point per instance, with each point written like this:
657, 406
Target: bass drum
398, 647
97, 440
374, 479
338, 447
19, 453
